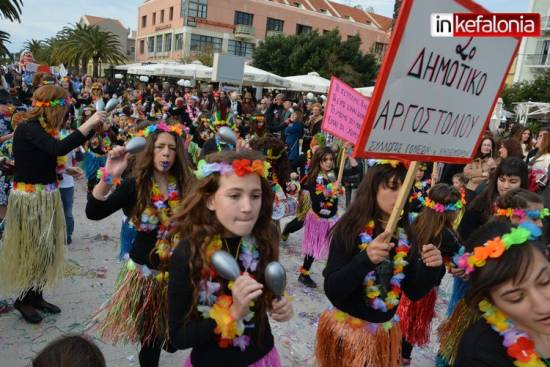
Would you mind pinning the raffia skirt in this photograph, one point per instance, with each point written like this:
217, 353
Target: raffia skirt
345, 341
32, 252
137, 311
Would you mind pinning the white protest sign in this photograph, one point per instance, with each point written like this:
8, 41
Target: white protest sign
434, 96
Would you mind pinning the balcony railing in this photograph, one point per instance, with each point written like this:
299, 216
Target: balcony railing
540, 60
273, 33
244, 31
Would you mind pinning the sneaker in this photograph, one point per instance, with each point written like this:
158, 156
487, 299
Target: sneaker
69, 240
284, 237
307, 281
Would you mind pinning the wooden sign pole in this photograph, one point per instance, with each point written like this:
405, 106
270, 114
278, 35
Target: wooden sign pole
402, 197
435, 173
341, 166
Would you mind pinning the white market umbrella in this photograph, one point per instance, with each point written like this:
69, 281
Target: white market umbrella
312, 82
366, 91
127, 66
195, 70
258, 77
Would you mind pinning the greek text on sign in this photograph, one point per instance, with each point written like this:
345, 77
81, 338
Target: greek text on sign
434, 96
345, 111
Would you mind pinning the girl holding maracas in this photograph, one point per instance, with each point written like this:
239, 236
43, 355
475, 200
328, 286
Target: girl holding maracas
225, 323
368, 269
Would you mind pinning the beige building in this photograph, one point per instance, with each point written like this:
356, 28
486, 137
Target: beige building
178, 29
534, 53
126, 37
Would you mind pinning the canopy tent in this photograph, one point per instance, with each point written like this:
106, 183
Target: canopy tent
262, 78
366, 91
127, 66
195, 70
311, 82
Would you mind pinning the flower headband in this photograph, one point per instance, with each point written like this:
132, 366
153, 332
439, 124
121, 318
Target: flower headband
53, 103
494, 248
524, 214
178, 129
240, 167
441, 208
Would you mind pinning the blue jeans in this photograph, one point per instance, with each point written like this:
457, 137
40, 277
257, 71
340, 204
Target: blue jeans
67, 197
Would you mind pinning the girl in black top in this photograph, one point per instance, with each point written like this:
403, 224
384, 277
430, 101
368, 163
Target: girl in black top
32, 252
229, 209
137, 310
513, 207
322, 216
440, 206
365, 273
511, 293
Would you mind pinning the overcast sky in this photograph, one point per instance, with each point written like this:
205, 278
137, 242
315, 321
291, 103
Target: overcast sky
44, 18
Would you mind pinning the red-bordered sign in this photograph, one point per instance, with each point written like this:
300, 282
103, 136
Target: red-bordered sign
403, 22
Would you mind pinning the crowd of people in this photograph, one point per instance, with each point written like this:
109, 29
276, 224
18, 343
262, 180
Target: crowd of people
218, 172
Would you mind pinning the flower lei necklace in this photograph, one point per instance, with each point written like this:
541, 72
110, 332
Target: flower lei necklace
159, 216
372, 290
214, 304
518, 344
327, 190
61, 160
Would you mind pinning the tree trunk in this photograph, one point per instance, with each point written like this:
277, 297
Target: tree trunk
84, 67
95, 63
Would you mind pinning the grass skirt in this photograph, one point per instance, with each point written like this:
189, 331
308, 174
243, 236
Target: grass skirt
137, 312
416, 317
342, 344
316, 229
452, 329
32, 252
304, 204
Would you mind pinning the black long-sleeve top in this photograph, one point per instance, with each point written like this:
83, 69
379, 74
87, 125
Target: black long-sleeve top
344, 280
35, 152
197, 332
481, 346
124, 197
472, 220
320, 202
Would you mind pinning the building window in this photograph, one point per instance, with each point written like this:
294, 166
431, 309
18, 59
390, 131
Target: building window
275, 24
159, 43
168, 42
243, 18
162, 16
324, 11
240, 48
379, 47
143, 21
300, 28
151, 45
296, 4
154, 18
204, 43
171, 15
142, 46
179, 42
198, 8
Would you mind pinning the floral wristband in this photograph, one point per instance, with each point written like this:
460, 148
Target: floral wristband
102, 175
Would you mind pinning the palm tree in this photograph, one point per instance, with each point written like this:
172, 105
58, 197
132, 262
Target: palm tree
86, 43
34, 46
11, 10
396, 8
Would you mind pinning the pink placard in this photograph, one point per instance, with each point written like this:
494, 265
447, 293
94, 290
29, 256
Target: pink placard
345, 111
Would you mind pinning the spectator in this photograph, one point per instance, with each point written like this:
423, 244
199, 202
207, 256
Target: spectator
478, 171
538, 166
510, 148
247, 106
273, 115
293, 133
